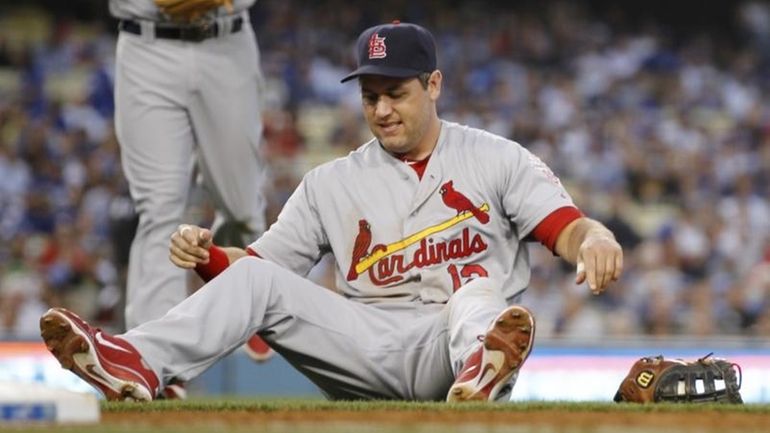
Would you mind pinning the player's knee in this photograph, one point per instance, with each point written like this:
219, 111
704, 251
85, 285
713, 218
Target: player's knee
254, 271
246, 272
478, 287
479, 291
251, 264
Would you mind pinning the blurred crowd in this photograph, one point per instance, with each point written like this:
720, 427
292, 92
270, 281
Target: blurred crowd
663, 136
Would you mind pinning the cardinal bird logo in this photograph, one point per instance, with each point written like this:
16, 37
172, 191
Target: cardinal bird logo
457, 201
360, 247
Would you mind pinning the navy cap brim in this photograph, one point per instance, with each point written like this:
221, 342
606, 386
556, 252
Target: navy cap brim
382, 70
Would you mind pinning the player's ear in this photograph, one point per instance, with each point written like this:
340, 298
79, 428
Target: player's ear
434, 84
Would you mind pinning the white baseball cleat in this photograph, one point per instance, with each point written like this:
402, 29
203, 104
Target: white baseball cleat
504, 348
109, 364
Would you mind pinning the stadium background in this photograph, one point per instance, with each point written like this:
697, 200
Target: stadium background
654, 116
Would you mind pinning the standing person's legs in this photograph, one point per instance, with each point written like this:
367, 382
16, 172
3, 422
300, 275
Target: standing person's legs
156, 142
226, 110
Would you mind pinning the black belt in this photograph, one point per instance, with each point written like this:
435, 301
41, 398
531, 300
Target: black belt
192, 33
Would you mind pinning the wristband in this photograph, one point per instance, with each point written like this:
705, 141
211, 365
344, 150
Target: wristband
218, 262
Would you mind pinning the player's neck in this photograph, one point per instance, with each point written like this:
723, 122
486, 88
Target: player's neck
427, 144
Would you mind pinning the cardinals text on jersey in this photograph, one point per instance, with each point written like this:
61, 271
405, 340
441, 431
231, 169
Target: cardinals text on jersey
386, 266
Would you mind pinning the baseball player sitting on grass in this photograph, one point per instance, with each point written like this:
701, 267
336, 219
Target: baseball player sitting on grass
427, 223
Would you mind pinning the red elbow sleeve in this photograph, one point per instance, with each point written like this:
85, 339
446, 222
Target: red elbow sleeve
549, 229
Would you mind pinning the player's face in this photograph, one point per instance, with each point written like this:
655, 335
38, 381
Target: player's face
402, 113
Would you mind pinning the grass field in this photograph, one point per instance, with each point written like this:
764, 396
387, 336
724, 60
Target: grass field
316, 416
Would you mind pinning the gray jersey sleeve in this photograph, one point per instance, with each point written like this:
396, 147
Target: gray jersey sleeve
296, 241
531, 191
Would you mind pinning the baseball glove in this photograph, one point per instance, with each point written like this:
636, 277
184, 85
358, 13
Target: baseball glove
656, 379
190, 11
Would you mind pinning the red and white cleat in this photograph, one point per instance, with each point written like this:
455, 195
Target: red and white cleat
257, 349
110, 364
505, 347
174, 390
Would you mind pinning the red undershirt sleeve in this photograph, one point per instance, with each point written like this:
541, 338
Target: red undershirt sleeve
548, 230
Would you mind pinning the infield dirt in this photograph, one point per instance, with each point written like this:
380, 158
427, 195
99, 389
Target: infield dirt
443, 421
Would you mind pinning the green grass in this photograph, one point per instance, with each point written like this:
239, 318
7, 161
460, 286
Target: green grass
241, 415
275, 405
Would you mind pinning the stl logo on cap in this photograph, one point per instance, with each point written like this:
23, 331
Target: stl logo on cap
377, 48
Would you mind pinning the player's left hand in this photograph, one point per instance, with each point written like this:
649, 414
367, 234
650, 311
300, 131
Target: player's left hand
599, 261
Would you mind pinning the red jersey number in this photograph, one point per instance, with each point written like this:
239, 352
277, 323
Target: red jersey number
466, 274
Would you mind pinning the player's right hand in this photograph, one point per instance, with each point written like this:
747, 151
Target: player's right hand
190, 245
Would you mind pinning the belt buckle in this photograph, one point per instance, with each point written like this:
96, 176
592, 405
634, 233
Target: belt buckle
196, 33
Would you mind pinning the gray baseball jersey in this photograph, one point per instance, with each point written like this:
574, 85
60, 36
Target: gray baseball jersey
397, 238
424, 266
181, 104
